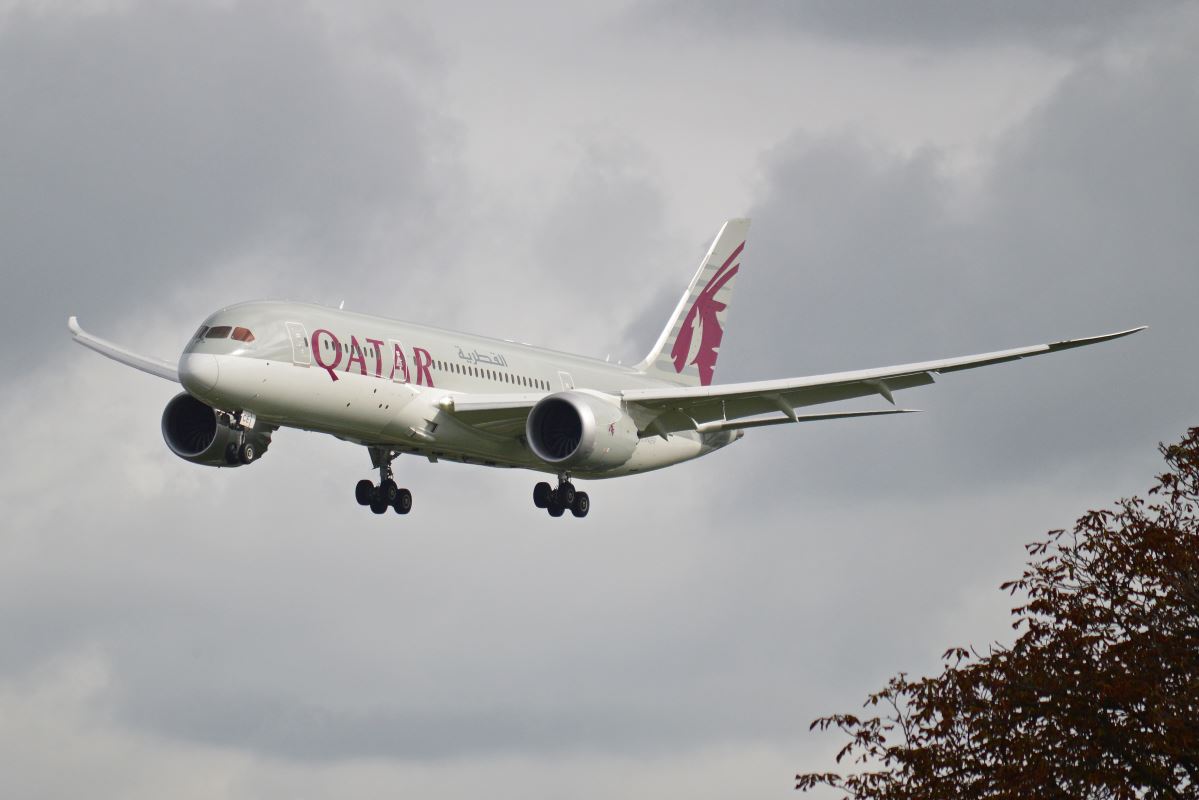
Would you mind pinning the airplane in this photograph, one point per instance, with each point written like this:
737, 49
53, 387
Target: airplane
401, 388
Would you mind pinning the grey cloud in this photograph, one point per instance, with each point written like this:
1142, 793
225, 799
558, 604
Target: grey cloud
925, 23
1082, 225
607, 228
144, 147
720, 603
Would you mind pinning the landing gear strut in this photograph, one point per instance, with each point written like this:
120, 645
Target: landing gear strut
243, 450
386, 494
556, 501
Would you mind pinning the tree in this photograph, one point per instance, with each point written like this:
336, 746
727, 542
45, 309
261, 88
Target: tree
1097, 698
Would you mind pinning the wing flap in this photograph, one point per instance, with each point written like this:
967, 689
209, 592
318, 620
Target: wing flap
735, 425
154, 366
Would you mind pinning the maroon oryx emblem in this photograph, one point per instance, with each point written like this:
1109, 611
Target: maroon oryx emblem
703, 314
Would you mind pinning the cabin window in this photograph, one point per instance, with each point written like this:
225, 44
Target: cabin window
218, 332
242, 335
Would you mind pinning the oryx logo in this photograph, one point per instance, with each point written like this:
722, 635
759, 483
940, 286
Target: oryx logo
703, 314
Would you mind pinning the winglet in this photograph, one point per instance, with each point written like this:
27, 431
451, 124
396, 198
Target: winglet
1106, 337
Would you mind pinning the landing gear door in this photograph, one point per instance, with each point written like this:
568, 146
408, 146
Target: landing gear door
301, 356
568, 382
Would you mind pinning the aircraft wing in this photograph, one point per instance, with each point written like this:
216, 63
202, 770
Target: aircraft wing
154, 366
501, 414
724, 407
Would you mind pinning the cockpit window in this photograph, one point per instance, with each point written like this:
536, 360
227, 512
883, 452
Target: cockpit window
218, 332
200, 333
242, 335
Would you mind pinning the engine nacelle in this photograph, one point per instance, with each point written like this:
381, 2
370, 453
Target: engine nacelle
198, 433
581, 430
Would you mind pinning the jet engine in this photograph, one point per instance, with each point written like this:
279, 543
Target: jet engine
202, 435
581, 430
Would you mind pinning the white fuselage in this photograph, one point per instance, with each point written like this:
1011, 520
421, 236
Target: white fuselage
388, 383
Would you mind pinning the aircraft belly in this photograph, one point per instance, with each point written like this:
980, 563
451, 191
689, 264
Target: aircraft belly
305, 397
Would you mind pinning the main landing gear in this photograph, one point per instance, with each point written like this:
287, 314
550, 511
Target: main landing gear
386, 494
556, 501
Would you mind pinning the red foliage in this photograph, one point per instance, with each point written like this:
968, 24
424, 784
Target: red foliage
1097, 698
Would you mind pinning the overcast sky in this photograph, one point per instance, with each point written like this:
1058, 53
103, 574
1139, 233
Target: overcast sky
926, 179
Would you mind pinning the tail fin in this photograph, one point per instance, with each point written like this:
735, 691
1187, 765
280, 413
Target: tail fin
686, 351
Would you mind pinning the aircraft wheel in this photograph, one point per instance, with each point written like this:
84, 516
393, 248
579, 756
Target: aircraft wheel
581, 505
247, 453
403, 501
388, 491
541, 495
362, 492
231, 453
555, 509
566, 495
378, 504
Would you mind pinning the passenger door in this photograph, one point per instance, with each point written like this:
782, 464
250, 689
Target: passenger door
301, 355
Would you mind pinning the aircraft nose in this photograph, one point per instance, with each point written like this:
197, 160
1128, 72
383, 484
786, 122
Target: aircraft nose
198, 372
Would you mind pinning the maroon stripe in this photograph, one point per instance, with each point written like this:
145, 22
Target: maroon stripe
736, 253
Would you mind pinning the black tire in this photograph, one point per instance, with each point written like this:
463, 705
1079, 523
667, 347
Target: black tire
555, 509
378, 504
231, 454
388, 491
566, 495
541, 495
403, 502
581, 505
362, 492
247, 453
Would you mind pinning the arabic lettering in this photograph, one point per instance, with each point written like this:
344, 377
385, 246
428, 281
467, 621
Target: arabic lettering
475, 357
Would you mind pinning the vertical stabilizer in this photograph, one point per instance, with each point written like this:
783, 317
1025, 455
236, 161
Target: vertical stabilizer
687, 350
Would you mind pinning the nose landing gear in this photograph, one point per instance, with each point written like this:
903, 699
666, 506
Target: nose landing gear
556, 501
387, 494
